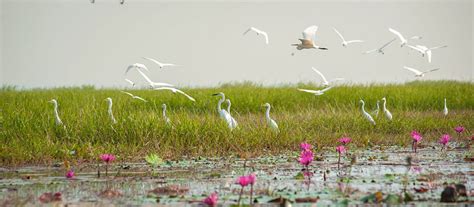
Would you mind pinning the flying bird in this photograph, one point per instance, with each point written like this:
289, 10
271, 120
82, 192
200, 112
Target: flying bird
385, 110
325, 81
153, 84
133, 96
423, 50
344, 42
137, 66
445, 110
316, 92
381, 49
167, 120
131, 82
365, 114
309, 36
162, 65
56, 114
403, 40
175, 90
234, 123
109, 110
259, 32
224, 115
271, 123
418, 73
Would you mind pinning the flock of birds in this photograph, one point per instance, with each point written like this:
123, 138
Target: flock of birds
307, 42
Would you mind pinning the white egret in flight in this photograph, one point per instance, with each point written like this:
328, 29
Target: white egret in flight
344, 42
174, 90
137, 66
385, 110
151, 83
445, 110
134, 97
162, 65
109, 110
365, 114
423, 50
167, 120
271, 123
223, 113
309, 36
259, 32
403, 40
381, 49
234, 123
316, 92
325, 81
56, 113
418, 73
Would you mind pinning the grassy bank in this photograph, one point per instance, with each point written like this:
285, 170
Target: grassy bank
29, 135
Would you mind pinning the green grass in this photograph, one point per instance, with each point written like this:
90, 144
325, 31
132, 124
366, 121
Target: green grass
29, 135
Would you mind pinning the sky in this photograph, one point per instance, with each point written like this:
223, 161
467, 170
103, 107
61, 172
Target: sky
54, 43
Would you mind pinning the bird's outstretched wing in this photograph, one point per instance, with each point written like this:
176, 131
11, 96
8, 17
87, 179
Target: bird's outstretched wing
248, 30
354, 41
340, 35
140, 98
438, 47
412, 70
307, 90
153, 60
129, 81
388, 43
370, 51
428, 71
310, 33
400, 36
326, 89
320, 74
127, 93
185, 94
416, 48
174, 90
266, 37
428, 53
145, 77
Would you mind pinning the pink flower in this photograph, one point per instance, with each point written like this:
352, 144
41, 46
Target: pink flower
306, 157
416, 136
341, 149
243, 181
107, 158
444, 139
70, 174
211, 200
345, 140
252, 178
459, 129
305, 146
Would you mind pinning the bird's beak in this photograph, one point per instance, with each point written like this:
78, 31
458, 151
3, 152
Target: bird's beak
215, 94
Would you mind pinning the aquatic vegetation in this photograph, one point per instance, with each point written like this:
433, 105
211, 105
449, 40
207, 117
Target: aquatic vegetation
70, 174
107, 158
345, 140
154, 161
340, 151
211, 200
416, 136
459, 129
444, 140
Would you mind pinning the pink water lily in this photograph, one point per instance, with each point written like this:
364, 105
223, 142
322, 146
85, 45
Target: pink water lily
211, 200
416, 136
459, 129
306, 157
444, 140
345, 140
243, 181
70, 174
340, 150
107, 158
252, 178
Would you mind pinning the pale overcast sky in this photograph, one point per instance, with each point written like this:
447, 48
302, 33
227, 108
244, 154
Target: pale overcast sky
46, 43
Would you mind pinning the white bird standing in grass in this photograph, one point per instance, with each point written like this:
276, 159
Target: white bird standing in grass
137, 66
56, 113
234, 123
259, 32
109, 110
309, 36
385, 110
175, 90
315, 92
445, 110
344, 42
223, 113
271, 123
134, 97
131, 82
162, 65
418, 73
423, 50
381, 49
167, 120
366, 115
325, 81
376, 111
151, 83
403, 40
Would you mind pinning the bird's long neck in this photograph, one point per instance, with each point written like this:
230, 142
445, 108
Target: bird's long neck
164, 112
362, 107
267, 113
56, 114
445, 106
378, 105
384, 105
228, 107
219, 108
110, 107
